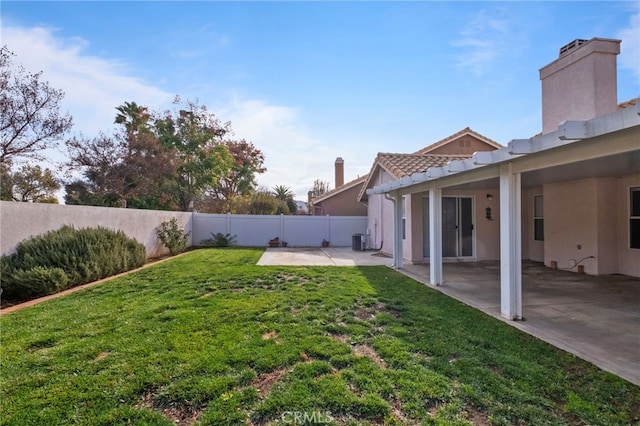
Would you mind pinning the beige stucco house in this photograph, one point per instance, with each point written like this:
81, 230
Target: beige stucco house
568, 197
461, 210
343, 199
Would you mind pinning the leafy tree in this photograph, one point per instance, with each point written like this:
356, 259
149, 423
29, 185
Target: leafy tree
101, 160
6, 182
30, 117
241, 179
196, 136
32, 184
129, 168
263, 202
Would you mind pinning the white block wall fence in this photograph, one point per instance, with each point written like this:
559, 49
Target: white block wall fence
297, 231
20, 221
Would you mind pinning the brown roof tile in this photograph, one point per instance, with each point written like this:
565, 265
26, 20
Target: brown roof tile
627, 104
400, 165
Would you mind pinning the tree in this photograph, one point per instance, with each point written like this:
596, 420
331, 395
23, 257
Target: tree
284, 195
30, 117
6, 182
196, 136
263, 202
319, 187
135, 118
129, 168
32, 184
101, 160
241, 179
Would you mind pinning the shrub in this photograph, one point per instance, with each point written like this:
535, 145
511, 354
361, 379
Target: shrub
81, 255
38, 281
172, 236
219, 240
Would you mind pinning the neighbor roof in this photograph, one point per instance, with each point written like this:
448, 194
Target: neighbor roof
400, 165
339, 189
464, 132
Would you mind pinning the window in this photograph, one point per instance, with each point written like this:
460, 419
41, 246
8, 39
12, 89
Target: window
634, 218
538, 220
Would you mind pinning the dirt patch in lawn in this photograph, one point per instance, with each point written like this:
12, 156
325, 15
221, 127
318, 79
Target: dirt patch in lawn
264, 382
362, 350
178, 414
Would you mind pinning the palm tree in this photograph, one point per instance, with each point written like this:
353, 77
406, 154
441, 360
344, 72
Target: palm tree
282, 193
134, 117
285, 196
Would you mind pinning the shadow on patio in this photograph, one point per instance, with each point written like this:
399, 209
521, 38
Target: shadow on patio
595, 318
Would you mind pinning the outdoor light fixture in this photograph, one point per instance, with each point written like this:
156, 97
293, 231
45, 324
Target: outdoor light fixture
488, 213
489, 197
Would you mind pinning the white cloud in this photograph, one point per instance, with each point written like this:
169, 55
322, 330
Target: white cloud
481, 41
93, 86
293, 157
630, 48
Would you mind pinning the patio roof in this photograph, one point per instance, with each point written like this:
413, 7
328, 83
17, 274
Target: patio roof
537, 153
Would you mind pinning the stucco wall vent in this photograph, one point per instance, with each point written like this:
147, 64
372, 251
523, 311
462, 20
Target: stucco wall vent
570, 46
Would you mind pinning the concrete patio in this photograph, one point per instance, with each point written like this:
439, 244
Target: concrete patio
594, 318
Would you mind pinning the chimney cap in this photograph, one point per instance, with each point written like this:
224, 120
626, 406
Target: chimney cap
573, 45
339, 160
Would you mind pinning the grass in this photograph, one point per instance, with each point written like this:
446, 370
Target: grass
210, 338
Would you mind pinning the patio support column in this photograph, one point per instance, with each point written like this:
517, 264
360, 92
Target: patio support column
435, 235
397, 230
510, 243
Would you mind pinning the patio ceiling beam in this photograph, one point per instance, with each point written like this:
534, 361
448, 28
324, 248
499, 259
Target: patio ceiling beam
620, 142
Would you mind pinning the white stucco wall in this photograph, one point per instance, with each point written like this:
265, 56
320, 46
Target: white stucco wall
570, 220
581, 84
593, 214
19, 221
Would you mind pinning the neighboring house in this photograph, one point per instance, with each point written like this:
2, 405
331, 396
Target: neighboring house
461, 206
343, 199
568, 197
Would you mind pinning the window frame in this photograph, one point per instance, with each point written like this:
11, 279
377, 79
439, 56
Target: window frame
538, 218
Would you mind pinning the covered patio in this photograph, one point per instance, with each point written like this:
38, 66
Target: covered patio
596, 318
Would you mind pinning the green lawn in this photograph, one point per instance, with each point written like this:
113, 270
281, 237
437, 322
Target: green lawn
210, 338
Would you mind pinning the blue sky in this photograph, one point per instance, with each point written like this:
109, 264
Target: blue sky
307, 82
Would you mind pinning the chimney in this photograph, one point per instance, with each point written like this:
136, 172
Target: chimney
339, 172
581, 84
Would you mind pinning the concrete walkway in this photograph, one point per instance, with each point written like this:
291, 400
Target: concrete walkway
594, 318
315, 256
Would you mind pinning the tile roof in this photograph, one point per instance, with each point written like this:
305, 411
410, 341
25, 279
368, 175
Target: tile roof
465, 131
627, 104
400, 165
